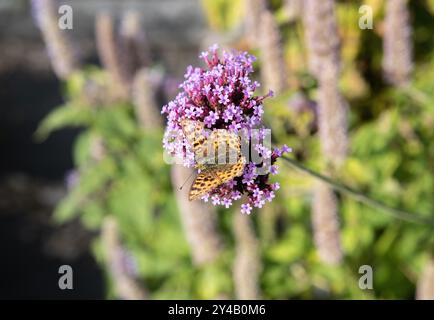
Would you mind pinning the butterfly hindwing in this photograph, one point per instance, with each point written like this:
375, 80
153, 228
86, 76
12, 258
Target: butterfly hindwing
205, 181
213, 176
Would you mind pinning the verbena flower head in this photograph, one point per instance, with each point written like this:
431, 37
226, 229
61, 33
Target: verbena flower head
222, 97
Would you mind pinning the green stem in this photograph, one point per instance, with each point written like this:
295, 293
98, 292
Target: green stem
418, 96
359, 196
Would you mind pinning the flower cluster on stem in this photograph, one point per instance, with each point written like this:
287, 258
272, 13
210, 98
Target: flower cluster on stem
222, 96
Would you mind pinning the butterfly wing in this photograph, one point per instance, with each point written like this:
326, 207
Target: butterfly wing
213, 176
230, 171
193, 132
205, 181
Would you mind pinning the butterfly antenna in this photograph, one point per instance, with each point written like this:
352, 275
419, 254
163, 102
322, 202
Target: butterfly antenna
189, 177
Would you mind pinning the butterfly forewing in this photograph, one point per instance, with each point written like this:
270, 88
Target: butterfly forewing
194, 133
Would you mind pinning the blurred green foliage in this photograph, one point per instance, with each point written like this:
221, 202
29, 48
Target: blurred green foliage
392, 159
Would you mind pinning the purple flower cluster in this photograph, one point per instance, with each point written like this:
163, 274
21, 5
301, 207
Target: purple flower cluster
222, 97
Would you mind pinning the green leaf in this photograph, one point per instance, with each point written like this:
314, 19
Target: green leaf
93, 214
67, 115
82, 148
91, 181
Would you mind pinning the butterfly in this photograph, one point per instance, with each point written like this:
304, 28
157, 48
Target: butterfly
218, 157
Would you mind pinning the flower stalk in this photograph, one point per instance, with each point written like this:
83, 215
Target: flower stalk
397, 46
252, 19
144, 101
247, 263
134, 44
199, 221
273, 64
110, 53
425, 285
322, 39
126, 285
62, 53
